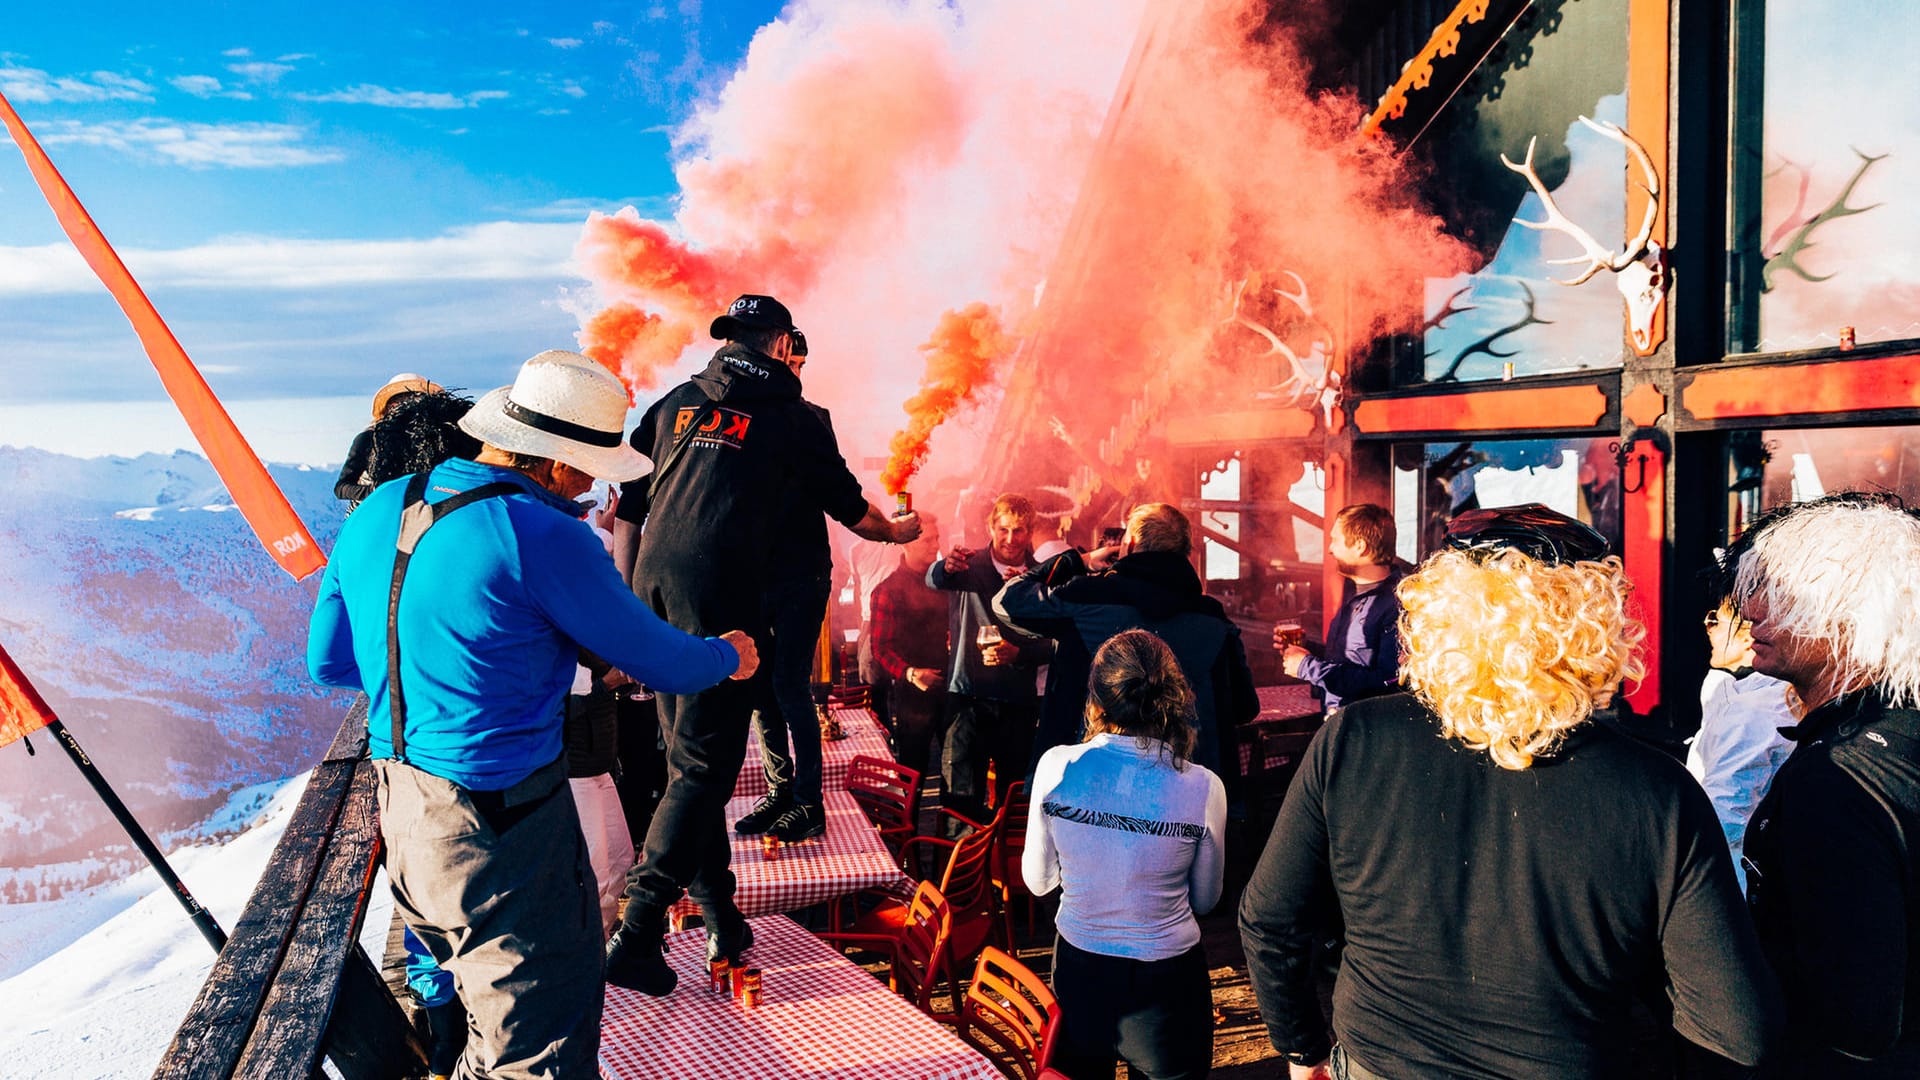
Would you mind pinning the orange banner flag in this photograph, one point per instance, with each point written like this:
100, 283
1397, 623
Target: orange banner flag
22, 710
260, 500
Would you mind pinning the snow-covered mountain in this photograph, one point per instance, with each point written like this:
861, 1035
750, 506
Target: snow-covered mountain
94, 985
142, 606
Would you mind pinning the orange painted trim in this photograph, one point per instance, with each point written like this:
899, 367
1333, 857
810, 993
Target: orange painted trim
1485, 410
1889, 382
1242, 426
1643, 550
1649, 43
1418, 74
1644, 405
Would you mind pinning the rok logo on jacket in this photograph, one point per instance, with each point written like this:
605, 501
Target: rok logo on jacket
724, 427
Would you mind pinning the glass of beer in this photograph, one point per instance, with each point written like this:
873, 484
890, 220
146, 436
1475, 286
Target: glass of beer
988, 637
1289, 635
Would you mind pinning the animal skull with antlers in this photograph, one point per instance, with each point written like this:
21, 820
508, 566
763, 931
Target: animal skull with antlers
1641, 268
1300, 388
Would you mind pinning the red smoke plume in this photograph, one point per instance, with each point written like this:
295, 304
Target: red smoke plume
964, 356
871, 164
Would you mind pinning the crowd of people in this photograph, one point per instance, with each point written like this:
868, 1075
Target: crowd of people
1500, 871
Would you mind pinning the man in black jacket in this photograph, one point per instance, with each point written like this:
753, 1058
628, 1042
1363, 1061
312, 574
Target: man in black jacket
1831, 588
728, 446
1146, 582
992, 672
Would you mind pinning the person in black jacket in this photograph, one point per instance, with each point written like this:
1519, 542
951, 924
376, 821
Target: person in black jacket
1147, 582
992, 673
366, 466
1509, 872
1833, 870
728, 446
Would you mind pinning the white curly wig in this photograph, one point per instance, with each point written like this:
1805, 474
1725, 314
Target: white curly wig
1844, 569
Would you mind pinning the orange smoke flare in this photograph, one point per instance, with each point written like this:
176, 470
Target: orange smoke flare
963, 357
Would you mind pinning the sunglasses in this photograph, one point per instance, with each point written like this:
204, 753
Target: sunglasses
1545, 535
1714, 621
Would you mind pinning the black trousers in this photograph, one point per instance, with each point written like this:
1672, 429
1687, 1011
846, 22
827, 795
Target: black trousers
687, 846
916, 719
982, 730
1157, 1015
642, 778
789, 728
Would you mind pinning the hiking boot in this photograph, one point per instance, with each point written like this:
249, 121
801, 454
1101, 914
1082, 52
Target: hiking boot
764, 814
636, 956
804, 822
728, 935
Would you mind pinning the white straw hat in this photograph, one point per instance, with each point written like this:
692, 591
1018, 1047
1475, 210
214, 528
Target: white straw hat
565, 407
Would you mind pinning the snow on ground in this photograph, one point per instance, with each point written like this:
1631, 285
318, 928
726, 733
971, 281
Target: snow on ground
95, 984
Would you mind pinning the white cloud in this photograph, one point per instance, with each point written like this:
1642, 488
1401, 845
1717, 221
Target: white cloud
493, 251
572, 90
32, 84
369, 94
206, 86
565, 42
197, 146
294, 56
260, 71
239, 52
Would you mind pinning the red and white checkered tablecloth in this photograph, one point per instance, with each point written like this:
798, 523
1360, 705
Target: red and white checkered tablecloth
849, 858
865, 737
1286, 702
822, 1018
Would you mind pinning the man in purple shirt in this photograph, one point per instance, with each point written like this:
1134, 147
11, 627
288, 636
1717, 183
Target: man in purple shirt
1363, 644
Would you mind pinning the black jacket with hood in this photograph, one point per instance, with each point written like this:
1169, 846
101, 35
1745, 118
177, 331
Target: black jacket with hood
714, 518
1151, 590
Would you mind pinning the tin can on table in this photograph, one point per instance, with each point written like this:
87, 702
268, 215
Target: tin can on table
719, 974
739, 980
769, 847
753, 988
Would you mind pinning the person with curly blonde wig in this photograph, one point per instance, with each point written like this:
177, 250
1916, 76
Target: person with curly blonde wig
1508, 871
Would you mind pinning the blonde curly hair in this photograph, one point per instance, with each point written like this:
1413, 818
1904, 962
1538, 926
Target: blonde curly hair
1513, 653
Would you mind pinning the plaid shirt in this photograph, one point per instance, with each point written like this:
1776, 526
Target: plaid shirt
909, 625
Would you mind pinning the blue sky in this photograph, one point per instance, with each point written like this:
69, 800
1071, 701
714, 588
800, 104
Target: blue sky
319, 196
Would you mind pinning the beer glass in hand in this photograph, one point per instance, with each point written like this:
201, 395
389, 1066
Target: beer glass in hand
989, 641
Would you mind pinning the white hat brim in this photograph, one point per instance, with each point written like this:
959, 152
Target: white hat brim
489, 422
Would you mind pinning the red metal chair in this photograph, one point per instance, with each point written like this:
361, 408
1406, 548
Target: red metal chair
967, 884
920, 950
1009, 1015
889, 793
1007, 850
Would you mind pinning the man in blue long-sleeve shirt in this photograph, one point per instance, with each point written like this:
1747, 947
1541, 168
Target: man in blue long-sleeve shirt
503, 586
1363, 641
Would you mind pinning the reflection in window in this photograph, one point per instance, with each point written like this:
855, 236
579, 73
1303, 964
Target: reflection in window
1435, 481
1512, 317
1769, 469
1829, 157
1258, 522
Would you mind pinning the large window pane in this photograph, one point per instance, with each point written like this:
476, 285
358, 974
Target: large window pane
1511, 316
1828, 226
1435, 481
1768, 469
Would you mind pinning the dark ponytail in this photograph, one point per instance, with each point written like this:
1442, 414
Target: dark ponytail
1138, 689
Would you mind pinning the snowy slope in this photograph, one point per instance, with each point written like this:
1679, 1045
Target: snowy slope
106, 1003
143, 607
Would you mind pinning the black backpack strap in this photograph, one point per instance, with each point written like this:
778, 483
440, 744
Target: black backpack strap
416, 517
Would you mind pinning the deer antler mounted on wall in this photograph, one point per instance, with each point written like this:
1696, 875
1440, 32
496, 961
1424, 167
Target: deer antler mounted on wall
1299, 388
1640, 268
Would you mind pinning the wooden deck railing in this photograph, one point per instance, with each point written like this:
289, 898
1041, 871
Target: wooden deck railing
293, 985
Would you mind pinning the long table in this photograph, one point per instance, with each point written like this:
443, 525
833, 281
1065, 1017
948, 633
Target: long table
821, 1017
865, 737
849, 858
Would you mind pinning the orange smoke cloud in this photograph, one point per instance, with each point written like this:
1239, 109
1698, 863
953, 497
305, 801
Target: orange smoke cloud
964, 356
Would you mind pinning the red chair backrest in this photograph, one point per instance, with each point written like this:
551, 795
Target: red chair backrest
1012, 841
920, 954
1009, 1014
888, 792
968, 880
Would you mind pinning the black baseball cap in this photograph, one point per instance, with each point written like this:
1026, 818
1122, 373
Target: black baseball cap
1547, 535
752, 312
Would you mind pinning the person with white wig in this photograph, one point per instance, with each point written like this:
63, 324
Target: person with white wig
1510, 874
1832, 588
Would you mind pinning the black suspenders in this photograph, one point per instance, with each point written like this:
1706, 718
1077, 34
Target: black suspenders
416, 517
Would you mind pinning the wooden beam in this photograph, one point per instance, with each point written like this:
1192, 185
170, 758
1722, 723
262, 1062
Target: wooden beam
1240, 426
1762, 391
1535, 408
